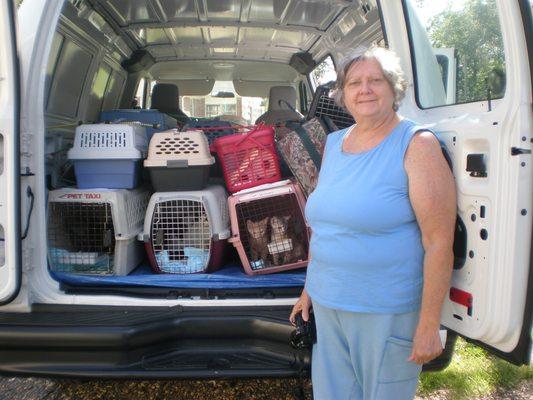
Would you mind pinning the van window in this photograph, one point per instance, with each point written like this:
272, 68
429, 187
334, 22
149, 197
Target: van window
52, 60
139, 101
148, 95
72, 67
98, 90
223, 101
323, 73
113, 91
457, 50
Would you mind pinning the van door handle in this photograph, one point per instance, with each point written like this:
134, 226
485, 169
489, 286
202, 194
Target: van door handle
515, 151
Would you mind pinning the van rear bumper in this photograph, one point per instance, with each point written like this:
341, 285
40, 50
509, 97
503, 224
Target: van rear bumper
119, 342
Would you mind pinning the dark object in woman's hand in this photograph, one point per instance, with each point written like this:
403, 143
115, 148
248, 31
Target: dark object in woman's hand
304, 335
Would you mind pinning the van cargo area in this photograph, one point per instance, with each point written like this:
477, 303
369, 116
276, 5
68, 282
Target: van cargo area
185, 76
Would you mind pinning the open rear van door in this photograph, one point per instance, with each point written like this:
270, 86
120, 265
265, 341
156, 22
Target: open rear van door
10, 266
486, 127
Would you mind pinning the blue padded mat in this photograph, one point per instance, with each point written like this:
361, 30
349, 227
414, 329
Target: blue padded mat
230, 277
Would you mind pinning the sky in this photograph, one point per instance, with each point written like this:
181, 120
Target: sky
433, 7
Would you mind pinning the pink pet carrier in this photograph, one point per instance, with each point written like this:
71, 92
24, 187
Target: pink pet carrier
268, 228
187, 232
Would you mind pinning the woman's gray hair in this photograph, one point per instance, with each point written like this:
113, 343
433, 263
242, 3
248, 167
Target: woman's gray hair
390, 64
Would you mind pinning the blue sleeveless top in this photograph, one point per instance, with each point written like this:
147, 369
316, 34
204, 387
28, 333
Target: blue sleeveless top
366, 248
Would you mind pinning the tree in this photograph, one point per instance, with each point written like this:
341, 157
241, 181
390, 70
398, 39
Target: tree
474, 32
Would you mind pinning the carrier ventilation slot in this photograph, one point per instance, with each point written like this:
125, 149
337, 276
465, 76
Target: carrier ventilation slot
184, 145
281, 238
103, 139
324, 106
81, 237
181, 236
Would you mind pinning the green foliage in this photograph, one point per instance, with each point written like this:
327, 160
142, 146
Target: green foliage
475, 34
472, 373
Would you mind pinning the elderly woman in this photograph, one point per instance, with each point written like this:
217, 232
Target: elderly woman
382, 217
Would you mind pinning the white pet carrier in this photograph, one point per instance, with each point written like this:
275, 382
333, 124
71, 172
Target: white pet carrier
187, 232
268, 227
95, 231
108, 155
178, 160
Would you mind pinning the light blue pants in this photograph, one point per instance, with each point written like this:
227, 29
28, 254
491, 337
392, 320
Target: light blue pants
362, 356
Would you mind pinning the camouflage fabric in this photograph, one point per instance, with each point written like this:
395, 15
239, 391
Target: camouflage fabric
293, 151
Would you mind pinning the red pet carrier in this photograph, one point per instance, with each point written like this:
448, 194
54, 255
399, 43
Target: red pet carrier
268, 228
248, 159
187, 232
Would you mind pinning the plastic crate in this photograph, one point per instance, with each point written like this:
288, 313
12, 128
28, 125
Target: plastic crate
264, 245
95, 231
178, 161
323, 106
248, 159
108, 155
187, 232
152, 120
211, 128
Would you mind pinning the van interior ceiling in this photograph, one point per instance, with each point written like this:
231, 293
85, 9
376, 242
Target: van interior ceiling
223, 56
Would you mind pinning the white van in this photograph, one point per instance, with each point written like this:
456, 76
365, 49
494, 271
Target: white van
63, 62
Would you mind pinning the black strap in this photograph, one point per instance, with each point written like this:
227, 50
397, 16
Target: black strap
308, 143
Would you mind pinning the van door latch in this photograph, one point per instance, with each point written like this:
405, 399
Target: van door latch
515, 151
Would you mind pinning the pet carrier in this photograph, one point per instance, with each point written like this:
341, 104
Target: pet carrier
152, 120
211, 128
268, 228
187, 232
301, 146
249, 159
178, 161
108, 155
95, 231
323, 106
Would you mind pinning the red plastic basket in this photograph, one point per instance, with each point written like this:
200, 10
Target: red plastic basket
249, 159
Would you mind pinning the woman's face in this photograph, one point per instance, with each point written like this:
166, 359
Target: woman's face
367, 94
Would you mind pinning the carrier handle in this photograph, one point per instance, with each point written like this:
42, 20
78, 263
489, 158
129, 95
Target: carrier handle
177, 163
246, 136
253, 128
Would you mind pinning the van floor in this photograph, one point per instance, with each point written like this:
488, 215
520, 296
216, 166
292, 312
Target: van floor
231, 276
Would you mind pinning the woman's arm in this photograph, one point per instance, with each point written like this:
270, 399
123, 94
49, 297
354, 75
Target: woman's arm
433, 198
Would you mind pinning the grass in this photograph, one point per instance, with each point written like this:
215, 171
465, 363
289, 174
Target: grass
473, 373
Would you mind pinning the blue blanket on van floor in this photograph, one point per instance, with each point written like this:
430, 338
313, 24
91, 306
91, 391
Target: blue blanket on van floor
229, 277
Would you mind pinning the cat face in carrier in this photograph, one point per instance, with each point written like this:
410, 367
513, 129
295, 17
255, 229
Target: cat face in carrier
279, 226
285, 246
257, 229
258, 239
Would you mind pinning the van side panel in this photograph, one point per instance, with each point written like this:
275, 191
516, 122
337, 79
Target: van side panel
10, 231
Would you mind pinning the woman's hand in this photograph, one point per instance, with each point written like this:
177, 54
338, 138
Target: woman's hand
426, 345
303, 305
